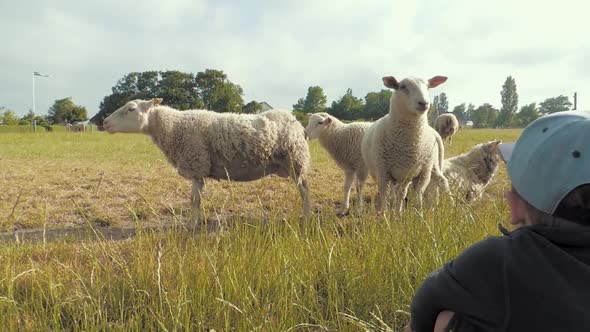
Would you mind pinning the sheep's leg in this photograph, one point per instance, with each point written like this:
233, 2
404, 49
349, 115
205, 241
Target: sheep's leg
383, 185
303, 187
421, 184
361, 178
431, 192
400, 193
197, 191
443, 182
348, 178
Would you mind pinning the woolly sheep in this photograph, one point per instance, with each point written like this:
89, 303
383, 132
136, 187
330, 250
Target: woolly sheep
401, 146
446, 125
471, 172
343, 143
204, 144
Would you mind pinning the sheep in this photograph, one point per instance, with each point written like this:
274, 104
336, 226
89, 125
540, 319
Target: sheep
471, 172
78, 127
401, 146
343, 143
446, 125
204, 144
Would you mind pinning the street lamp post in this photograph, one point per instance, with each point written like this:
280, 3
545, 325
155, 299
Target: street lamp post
35, 73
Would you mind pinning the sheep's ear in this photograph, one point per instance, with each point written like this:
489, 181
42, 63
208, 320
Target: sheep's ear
391, 82
146, 105
308, 115
157, 101
327, 121
436, 81
493, 146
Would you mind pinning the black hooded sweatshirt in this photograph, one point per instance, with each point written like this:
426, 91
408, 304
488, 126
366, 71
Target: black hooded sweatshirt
536, 278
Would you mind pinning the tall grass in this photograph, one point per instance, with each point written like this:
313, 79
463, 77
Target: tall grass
271, 271
29, 129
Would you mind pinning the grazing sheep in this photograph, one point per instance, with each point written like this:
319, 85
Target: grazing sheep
471, 172
343, 143
204, 144
78, 127
401, 146
446, 125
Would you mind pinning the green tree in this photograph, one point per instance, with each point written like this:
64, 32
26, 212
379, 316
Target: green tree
315, 101
177, 89
460, 112
509, 103
526, 115
27, 120
252, 107
484, 116
469, 112
210, 89
9, 118
303, 118
442, 104
556, 104
218, 93
64, 110
298, 107
438, 106
42, 121
432, 113
377, 104
348, 107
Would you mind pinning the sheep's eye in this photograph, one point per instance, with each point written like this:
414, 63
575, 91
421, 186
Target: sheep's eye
403, 87
131, 109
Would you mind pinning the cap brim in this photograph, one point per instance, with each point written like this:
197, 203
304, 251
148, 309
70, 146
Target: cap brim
506, 151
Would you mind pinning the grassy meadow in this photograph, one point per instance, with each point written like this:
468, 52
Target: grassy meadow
264, 269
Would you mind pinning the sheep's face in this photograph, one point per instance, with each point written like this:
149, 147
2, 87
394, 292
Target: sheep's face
487, 156
131, 118
317, 122
411, 94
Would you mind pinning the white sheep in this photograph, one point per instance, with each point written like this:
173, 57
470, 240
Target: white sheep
471, 172
204, 144
343, 143
401, 146
446, 125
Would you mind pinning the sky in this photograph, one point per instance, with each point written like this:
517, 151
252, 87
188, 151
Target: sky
276, 49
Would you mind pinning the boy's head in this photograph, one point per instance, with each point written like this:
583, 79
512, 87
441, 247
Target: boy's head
549, 166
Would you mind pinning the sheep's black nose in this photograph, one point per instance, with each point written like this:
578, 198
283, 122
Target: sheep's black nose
422, 103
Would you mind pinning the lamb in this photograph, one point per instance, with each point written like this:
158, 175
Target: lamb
343, 143
401, 146
471, 172
446, 125
203, 144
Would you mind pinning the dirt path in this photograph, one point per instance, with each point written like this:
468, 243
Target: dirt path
79, 233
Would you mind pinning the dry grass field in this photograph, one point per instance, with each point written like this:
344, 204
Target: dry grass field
265, 268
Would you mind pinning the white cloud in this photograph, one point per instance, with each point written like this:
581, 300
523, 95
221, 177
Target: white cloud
275, 50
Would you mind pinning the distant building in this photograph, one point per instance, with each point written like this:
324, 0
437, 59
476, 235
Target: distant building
264, 106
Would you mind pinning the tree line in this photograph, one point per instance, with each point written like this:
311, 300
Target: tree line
211, 89
62, 111
376, 104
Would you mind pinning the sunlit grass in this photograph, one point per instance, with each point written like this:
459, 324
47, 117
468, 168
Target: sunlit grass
266, 269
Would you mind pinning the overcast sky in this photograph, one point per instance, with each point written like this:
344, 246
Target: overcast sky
276, 49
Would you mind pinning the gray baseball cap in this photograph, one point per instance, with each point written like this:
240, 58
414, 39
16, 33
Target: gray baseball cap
550, 158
